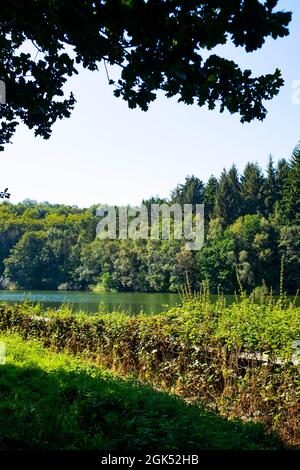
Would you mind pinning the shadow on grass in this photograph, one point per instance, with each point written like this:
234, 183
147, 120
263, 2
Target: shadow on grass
83, 410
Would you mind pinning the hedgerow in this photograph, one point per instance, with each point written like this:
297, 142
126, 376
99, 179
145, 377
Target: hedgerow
238, 359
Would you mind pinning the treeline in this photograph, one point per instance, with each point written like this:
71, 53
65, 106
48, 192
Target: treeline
252, 224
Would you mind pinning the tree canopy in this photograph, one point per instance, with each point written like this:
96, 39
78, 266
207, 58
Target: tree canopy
158, 45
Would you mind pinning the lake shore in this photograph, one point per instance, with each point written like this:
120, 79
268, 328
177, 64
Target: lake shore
202, 351
93, 302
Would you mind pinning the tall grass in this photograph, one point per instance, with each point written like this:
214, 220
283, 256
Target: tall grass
238, 359
56, 401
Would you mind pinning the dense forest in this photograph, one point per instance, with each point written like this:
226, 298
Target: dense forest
252, 225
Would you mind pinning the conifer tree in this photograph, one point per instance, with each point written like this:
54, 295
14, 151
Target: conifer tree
270, 188
190, 192
291, 191
228, 197
282, 174
252, 183
234, 177
210, 194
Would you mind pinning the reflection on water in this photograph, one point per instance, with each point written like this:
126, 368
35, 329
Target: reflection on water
130, 302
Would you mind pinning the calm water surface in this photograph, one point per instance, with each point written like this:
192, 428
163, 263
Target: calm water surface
130, 302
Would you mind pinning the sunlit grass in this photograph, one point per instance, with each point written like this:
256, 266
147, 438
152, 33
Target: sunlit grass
56, 401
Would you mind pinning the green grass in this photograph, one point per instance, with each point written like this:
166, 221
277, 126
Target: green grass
201, 351
54, 400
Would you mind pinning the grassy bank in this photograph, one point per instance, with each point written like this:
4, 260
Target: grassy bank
238, 360
57, 401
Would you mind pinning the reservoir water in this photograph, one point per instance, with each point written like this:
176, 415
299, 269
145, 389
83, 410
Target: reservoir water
131, 302
90, 302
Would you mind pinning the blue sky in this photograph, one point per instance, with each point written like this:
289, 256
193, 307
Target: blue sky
107, 153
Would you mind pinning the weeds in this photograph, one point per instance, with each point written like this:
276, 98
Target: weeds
56, 401
237, 358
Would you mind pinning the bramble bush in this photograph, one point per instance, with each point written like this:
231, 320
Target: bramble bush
237, 358
52, 400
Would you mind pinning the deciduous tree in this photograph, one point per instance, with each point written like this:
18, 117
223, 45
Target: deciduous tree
157, 45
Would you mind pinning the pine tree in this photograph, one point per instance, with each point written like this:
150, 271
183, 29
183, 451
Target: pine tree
282, 174
233, 174
290, 206
228, 197
270, 188
252, 183
210, 194
190, 192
